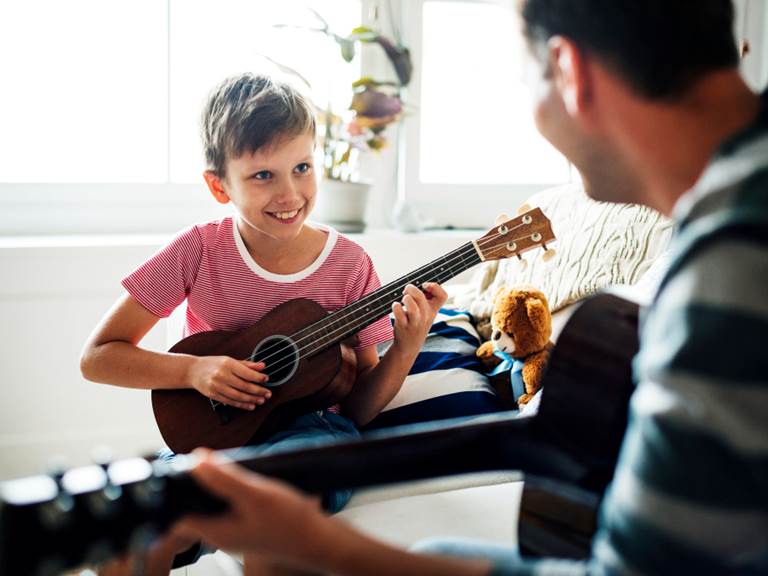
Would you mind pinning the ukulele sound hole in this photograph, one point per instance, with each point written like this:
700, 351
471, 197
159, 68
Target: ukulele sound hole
281, 357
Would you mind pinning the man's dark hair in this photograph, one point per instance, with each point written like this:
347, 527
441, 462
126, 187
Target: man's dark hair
659, 46
248, 111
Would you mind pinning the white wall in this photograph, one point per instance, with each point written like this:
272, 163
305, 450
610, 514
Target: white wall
53, 290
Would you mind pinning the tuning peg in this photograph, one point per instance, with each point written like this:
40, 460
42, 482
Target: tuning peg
104, 502
501, 218
522, 263
523, 209
549, 253
102, 456
56, 513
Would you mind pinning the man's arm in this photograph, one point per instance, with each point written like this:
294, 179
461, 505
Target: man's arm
689, 494
275, 521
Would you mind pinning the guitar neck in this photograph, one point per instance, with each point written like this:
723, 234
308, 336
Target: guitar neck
351, 319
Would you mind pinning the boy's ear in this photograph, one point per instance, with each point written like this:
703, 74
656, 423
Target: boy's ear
215, 186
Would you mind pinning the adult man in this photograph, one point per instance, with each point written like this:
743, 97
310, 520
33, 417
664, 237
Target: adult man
644, 97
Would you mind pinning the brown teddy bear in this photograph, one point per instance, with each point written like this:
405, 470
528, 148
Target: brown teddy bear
522, 325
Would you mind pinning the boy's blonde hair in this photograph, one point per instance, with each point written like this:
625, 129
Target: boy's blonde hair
247, 112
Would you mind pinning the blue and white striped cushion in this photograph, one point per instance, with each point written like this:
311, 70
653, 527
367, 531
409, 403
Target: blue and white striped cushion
446, 381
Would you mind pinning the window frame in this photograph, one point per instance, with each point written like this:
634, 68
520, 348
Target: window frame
447, 205
107, 208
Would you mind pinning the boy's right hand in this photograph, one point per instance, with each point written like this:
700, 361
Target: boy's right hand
230, 381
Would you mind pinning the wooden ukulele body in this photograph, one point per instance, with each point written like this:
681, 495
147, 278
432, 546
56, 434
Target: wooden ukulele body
188, 420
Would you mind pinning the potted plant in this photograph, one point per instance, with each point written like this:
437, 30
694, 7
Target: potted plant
361, 128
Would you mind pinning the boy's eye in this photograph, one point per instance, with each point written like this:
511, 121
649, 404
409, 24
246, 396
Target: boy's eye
303, 167
263, 175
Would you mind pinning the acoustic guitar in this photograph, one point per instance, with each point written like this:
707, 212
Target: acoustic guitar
300, 344
93, 513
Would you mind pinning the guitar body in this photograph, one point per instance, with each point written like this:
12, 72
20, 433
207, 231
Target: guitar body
299, 384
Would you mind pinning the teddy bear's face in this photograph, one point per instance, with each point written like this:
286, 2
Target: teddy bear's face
503, 342
521, 322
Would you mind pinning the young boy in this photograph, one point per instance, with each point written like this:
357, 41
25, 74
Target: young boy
258, 136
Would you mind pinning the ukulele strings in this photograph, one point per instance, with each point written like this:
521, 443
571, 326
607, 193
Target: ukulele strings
454, 263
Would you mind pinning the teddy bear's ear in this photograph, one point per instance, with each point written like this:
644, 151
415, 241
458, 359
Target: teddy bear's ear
538, 314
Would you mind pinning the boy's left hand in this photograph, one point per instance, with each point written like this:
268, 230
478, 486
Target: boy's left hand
415, 315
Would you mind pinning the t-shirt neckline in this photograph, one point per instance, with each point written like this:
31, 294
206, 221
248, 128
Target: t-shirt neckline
330, 242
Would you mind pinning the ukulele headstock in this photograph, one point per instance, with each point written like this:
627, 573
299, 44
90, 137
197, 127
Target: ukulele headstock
515, 236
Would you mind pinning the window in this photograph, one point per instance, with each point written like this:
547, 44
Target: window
101, 101
84, 90
473, 133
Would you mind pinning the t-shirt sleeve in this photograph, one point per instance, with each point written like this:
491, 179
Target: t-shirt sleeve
368, 281
163, 282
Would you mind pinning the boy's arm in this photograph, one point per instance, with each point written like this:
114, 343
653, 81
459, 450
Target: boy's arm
112, 356
378, 381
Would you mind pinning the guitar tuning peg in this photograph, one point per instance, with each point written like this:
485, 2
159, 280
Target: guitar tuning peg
57, 466
522, 263
549, 253
501, 218
523, 209
56, 513
102, 456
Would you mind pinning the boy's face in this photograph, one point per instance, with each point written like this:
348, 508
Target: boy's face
274, 188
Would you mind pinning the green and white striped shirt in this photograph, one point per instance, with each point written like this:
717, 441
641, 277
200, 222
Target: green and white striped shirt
690, 492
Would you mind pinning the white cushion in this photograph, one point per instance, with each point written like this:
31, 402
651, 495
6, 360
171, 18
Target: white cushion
598, 244
484, 506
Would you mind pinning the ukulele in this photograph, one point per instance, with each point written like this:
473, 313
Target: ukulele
90, 514
300, 344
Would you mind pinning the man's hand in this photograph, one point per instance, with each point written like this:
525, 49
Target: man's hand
265, 516
232, 382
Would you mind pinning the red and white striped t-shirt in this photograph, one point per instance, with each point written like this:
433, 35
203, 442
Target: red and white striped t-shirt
209, 266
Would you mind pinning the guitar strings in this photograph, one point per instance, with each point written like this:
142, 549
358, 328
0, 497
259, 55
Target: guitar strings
456, 263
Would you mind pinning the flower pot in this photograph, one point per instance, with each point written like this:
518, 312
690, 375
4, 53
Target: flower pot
342, 204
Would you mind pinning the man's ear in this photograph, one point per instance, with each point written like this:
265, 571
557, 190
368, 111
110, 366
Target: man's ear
571, 75
215, 186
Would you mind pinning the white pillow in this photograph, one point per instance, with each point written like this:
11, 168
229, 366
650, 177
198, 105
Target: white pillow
598, 244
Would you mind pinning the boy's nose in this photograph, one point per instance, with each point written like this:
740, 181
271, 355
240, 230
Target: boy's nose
287, 193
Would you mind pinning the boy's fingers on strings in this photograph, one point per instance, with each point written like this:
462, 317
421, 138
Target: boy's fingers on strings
243, 370
251, 389
245, 391
412, 309
399, 313
435, 293
254, 365
219, 397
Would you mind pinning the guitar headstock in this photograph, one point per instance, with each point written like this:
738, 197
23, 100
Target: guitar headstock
515, 236
93, 513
